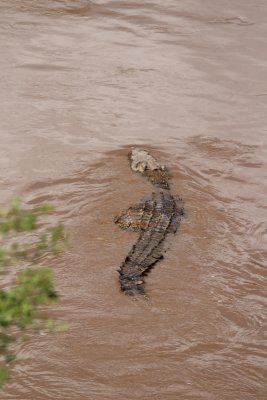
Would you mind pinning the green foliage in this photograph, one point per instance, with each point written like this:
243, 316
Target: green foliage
4, 374
21, 298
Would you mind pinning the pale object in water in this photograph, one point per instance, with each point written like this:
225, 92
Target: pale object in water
141, 160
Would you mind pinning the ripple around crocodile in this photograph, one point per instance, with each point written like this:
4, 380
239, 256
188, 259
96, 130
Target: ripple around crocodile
155, 219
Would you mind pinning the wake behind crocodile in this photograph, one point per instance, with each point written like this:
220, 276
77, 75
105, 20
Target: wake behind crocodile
155, 219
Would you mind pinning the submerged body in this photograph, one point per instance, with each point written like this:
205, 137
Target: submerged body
155, 219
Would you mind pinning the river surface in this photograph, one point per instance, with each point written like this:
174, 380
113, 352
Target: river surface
82, 83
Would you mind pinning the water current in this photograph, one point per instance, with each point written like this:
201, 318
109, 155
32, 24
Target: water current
82, 83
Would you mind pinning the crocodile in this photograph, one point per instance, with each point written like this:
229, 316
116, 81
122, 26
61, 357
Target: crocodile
154, 219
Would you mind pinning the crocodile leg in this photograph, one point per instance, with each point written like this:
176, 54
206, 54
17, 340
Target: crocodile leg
136, 218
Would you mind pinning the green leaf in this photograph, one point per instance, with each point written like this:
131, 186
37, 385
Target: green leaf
4, 374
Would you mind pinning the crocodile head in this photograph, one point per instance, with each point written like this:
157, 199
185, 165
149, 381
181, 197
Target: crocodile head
141, 160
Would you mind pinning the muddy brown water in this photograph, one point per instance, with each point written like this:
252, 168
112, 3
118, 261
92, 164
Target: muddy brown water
81, 83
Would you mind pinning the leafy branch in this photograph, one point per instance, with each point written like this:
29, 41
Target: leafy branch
32, 287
